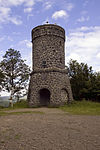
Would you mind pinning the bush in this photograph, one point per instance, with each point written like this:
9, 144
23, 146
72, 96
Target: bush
21, 104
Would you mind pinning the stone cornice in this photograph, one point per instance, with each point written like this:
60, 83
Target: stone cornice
47, 70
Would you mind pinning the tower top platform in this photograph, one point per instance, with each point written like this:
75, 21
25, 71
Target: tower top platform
48, 29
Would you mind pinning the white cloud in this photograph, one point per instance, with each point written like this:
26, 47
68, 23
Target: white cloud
47, 5
70, 6
10, 38
83, 44
28, 58
85, 3
16, 20
6, 14
60, 14
2, 38
28, 10
4, 93
16, 33
83, 18
98, 55
27, 43
8, 3
5, 38
29, 16
1, 54
29, 3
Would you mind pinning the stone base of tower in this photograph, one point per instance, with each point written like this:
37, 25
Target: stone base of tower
49, 88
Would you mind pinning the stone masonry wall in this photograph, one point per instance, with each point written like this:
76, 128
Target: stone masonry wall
49, 66
48, 46
54, 82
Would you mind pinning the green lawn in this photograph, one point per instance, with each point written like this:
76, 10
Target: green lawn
82, 108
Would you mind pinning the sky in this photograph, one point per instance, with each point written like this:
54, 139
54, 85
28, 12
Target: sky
79, 18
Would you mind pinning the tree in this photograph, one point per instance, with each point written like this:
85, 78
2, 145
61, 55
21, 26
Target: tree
1, 79
95, 87
16, 72
80, 78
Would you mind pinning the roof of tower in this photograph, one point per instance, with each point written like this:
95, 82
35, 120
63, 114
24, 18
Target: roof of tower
48, 25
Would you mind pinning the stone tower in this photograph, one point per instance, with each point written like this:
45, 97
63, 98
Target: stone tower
49, 82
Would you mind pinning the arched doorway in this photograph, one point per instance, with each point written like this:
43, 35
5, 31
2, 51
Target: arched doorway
64, 95
44, 97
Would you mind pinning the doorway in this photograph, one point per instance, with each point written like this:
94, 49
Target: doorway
44, 97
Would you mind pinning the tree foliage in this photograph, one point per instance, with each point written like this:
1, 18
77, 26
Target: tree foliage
1, 79
84, 83
16, 72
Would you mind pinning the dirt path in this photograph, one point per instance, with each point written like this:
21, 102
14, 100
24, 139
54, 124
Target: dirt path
51, 130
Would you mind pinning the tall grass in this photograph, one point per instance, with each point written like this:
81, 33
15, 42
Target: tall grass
82, 108
21, 104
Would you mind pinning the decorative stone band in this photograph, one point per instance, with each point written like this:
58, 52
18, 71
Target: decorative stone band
45, 70
49, 29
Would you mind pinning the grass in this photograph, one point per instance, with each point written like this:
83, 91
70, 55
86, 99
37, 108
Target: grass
76, 108
20, 112
21, 104
82, 108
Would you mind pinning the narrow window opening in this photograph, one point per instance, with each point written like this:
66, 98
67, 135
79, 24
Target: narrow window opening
60, 43
44, 64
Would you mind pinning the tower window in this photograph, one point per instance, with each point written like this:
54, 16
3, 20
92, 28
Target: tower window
44, 64
60, 43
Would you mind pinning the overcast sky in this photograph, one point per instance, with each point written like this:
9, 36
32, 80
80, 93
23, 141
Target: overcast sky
79, 18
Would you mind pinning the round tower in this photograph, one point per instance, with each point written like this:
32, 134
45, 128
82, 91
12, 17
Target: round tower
49, 82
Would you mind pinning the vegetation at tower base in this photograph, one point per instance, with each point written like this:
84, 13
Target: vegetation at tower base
82, 108
16, 73
84, 82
